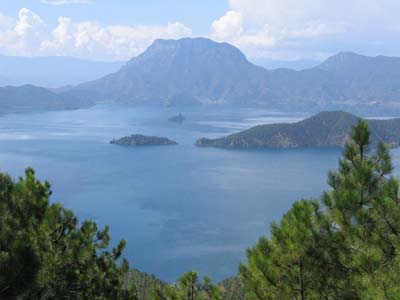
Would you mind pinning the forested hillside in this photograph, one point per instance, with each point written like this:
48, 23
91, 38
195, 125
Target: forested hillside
325, 129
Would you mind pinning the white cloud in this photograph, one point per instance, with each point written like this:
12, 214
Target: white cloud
259, 26
22, 36
89, 39
253, 44
228, 26
306, 28
30, 36
27, 22
288, 13
62, 2
5, 21
289, 29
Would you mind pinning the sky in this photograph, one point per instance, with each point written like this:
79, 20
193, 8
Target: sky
115, 30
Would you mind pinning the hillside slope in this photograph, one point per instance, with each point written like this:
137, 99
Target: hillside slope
184, 72
326, 129
31, 98
199, 71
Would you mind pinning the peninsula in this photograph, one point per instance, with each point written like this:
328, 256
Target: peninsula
326, 129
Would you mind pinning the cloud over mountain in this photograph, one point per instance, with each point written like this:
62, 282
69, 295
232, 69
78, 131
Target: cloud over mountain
262, 29
288, 29
29, 35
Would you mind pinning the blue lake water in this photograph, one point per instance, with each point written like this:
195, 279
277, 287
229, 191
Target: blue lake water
179, 207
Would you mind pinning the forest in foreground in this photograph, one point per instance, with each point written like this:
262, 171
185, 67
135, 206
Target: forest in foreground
342, 246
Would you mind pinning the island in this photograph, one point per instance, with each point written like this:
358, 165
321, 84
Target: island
326, 129
142, 140
177, 119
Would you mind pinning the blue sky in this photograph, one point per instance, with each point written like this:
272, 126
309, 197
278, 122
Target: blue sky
262, 29
197, 14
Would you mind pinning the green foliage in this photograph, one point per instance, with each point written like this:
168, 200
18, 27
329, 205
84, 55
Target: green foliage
189, 288
325, 129
232, 289
45, 253
145, 284
282, 267
344, 247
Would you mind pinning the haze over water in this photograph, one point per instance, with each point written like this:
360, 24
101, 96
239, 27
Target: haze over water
179, 207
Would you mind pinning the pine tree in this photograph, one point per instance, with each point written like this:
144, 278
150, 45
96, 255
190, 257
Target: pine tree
364, 208
189, 288
45, 253
283, 266
344, 248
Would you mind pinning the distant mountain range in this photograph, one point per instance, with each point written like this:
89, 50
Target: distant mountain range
29, 98
202, 72
199, 71
326, 129
53, 71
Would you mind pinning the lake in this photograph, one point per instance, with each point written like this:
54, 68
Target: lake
180, 208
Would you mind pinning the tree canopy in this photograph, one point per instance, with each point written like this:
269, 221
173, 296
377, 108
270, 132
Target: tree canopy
189, 288
342, 247
46, 253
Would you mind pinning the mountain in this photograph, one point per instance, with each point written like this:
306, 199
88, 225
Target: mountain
31, 98
363, 78
182, 72
54, 71
346, 80
326, 129
200, 71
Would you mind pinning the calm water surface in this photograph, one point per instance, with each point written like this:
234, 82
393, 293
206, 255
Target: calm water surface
179, 207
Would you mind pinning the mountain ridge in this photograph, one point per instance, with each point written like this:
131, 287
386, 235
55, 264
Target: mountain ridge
325, 129
29, 98
178, 72
199, 71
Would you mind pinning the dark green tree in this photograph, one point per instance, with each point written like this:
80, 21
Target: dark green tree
189, 288
364, 209
283, 267
45, 253
344, 248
